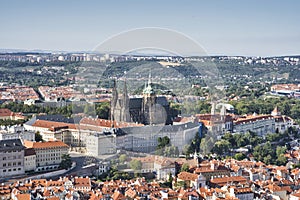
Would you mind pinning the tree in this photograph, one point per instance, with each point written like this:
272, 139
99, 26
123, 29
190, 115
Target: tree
38, 137
122, 158
103, 110
239, 156
66, 162
185, 167
221, 147
163, 142
135, 164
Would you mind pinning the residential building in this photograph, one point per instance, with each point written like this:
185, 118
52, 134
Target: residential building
48, 154
29, 159
100, 144
282, 122
11, 157
164, 168
220, 182
216, 123
16, 132
260, 124
82, 184
192, 179
6, 114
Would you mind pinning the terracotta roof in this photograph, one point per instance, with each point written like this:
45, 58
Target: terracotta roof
242, 190
4, 112
43, 145
296, 195
186, 176
23, 196
225, 180
51, 125
52, 198
106, 123
82, 182
251, 118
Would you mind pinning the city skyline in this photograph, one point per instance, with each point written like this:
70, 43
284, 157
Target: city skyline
255, 28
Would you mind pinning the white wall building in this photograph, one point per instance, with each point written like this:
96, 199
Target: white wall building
48, 154
16, 132
29, 160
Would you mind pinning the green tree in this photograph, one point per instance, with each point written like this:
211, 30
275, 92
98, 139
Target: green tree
66, 162
38, 137
239, 156
123, 158
135, 164
185, 167
103, 110
221, 147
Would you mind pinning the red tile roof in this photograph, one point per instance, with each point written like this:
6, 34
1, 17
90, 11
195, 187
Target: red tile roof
51, 125
4, 112
44, 145
225, 180
186, 176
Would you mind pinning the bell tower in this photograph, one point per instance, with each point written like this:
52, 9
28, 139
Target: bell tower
149, 101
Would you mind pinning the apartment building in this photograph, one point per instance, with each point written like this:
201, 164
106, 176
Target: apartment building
11, 157
48, 154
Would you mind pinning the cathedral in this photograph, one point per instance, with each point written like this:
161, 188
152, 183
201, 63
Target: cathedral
149, 109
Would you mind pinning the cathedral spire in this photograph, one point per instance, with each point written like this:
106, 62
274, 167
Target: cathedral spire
114, 101
149, 79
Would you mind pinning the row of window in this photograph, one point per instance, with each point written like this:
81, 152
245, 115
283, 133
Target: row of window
48, 159
48, 155
13, 151
11, 164
12, 157
9, 170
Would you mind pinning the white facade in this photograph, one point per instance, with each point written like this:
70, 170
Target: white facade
30, 162
11, 158
261, 125
100, 144
48, 154
16, 132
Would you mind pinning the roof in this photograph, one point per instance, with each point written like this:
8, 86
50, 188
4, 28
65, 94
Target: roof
55, 118
23, 196
52, 125
44, 145
12, 144
106, 123
82, 182
225, 180
187, 176
29, 152
251, 119
4, 112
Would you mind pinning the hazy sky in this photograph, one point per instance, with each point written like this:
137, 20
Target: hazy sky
256, 27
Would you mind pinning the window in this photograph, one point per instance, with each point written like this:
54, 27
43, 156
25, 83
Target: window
4, 170
4, 164
4, 158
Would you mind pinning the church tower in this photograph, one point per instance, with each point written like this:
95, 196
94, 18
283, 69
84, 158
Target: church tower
125, 105
114, 101
149, 101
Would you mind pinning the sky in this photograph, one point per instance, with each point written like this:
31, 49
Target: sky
232, 27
